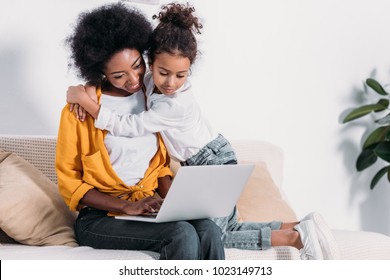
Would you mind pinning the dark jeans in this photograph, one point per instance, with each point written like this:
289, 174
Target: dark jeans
182, 240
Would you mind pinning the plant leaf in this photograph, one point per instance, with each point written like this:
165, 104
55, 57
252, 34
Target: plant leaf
378, 176
388, 174
362, 111
382, 150
378, 135
384, 102
376, 86
384, 120
366, 158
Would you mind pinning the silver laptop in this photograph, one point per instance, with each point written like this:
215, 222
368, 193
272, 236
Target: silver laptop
199, 192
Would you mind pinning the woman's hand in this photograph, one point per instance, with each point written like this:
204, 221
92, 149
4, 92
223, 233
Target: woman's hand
99, 200
146, 206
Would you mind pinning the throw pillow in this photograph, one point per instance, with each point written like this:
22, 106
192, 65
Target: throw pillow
32, 211
174, 166
261, 200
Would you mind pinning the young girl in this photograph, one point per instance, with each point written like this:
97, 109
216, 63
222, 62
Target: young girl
190, 140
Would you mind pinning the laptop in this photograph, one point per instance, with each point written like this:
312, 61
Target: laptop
199, 192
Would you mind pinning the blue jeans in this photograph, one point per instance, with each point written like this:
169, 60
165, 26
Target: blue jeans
183, 240
248, 235
219, 151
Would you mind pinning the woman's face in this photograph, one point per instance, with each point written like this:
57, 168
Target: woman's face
125, 70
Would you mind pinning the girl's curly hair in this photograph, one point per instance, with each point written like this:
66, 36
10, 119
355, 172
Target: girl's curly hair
101, 33
176, 31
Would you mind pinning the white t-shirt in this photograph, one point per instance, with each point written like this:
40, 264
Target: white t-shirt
130, 157
177, 117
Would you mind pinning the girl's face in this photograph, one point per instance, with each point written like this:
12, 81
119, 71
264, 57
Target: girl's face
170, 71
125, 70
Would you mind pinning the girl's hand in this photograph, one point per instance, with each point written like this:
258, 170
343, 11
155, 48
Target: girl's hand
73, 96
146, 206
79, 111
75, 93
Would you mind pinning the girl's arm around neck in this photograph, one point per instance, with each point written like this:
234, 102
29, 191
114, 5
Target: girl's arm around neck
79, 95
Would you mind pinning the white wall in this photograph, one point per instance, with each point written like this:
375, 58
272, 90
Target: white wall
283, 71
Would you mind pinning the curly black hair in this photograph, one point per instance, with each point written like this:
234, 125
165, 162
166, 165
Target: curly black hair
101, 33
176, 31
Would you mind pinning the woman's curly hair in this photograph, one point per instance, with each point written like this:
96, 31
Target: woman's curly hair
176, 31
101, 33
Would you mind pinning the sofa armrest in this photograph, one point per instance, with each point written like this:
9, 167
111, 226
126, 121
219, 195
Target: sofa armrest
38, 150
362, 245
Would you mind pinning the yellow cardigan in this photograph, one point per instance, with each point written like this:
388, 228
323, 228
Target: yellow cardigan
83, 163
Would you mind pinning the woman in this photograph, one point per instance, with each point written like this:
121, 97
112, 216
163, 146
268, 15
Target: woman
102, 175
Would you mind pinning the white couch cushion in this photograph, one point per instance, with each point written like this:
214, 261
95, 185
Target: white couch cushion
363, 245
22, 252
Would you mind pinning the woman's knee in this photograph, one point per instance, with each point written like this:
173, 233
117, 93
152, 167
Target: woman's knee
213, 230
210, 235
184, 243
207, 229
186, 232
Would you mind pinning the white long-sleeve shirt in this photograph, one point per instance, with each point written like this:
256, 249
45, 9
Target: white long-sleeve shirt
177, 117
130, 157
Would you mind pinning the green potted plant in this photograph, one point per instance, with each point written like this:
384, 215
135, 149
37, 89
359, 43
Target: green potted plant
377, 143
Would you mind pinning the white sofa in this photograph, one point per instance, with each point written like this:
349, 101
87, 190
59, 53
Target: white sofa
40, 152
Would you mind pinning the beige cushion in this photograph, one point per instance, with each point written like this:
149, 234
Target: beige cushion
174, 167
261, 200
31, 210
